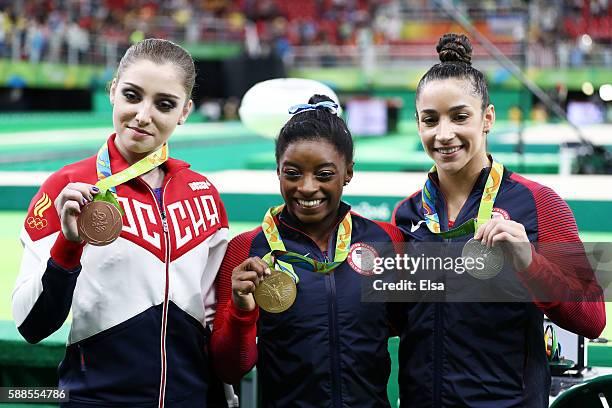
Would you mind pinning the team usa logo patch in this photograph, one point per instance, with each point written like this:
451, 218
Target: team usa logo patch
500, 213
361, 258
37, 221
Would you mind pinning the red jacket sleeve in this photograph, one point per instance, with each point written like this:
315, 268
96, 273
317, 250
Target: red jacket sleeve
395, 310
560, 272
394, 233
233, 343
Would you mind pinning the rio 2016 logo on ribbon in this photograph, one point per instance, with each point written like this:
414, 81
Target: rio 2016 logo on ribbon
362, 258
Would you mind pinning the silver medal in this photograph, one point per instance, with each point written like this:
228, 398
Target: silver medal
492, 259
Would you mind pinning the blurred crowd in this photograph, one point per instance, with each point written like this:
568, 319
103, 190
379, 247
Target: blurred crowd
557, 33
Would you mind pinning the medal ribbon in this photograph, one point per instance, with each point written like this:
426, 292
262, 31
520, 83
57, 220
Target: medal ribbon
286, 259
485, 209
107, 181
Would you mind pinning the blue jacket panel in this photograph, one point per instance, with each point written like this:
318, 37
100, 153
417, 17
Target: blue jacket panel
117, 365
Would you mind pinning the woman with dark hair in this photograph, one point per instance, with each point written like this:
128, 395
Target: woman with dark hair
289, 282
476, 354
132, 249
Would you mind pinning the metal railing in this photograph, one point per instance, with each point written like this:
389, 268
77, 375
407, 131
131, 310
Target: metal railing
69, 43
424, 56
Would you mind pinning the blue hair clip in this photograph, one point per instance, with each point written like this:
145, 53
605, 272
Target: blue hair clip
303, 107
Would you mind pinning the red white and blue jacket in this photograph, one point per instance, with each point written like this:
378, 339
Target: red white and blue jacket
141, 305
492, 354
327, 350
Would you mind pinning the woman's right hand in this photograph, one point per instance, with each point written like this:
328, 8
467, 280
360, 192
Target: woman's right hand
68, 206
245, 279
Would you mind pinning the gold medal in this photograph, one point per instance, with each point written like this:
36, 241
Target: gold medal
276, 293
492, 259
99, 223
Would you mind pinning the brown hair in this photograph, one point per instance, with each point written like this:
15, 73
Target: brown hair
161, 51
455, 53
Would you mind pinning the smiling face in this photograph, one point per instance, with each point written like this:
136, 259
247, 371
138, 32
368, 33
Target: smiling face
149, 100
312, 174
452, 125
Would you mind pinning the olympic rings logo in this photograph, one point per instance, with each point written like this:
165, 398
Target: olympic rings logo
36, 223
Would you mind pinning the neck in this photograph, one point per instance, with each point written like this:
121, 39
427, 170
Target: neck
154, 178
129, 156
320, 232
457, 186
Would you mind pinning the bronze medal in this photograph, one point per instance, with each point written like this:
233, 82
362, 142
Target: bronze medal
276, 293
492, 258
99, 223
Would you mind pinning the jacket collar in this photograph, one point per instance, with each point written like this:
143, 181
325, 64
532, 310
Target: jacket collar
118, 163
478, 186
473, 200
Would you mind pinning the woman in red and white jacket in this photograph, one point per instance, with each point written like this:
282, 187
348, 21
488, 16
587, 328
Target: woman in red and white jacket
141, 306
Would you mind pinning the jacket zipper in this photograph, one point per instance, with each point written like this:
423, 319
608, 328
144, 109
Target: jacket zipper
82, 358
439, 312
438, 346
437, 357
330, 284
162, 213
333, 334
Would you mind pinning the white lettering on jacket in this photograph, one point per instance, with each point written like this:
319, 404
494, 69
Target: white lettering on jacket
192, 219
141, 209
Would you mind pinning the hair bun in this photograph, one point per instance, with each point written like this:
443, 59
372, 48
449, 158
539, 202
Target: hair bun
316, 98
454, 48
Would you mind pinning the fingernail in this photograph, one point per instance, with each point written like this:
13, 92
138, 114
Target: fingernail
95, 189
84, 201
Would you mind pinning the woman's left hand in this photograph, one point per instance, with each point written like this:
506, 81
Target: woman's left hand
500, 231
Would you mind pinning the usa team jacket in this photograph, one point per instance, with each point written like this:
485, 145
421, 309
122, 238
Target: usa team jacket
484, 355
141, 305
330, 348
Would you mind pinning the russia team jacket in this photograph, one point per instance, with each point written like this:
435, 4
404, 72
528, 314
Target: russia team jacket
330, 348
484, 355
141, 305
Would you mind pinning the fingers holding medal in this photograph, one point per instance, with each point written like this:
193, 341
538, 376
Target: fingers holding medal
254, 283
69, 204
245, 279
512, 234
